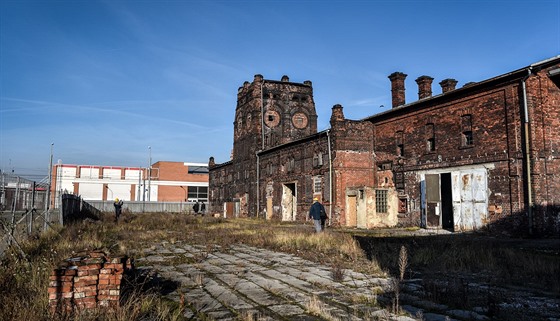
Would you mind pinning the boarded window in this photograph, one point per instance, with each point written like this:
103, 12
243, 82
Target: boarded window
318, 160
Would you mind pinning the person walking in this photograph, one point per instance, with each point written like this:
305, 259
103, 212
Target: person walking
316, 211
118, 208
202, 208
196, 206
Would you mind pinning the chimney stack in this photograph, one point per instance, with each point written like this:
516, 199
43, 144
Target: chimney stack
448, 85
337, 114
397, 88
424, 86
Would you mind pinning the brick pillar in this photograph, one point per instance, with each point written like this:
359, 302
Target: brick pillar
87, 282
447, 85
397, 88
424, 86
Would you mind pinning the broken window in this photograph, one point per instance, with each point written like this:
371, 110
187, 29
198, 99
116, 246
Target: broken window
317, 184
385, 166
400, 143
381, 201
467, 138
318, 160
430, 138
466, 131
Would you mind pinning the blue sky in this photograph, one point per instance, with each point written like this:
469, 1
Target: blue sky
103, 80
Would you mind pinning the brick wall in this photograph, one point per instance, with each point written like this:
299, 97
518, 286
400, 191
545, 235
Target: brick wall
86, 282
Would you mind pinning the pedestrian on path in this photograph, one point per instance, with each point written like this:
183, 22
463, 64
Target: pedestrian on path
118, 208
196, 207
316, 211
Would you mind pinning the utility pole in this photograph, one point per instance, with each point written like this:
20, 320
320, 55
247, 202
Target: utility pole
50, 179
49, 190
150, 173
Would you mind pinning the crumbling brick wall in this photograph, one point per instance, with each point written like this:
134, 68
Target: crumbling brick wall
88, 281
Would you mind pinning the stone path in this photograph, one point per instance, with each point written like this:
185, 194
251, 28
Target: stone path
247, 283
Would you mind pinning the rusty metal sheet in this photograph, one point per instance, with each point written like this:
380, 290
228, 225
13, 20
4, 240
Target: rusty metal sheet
432, 188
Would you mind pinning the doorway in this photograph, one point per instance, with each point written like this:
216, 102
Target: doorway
439, 201
446, 202
352, 219
289, 203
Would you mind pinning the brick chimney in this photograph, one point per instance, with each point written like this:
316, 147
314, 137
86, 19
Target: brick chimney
448, 85
397, 88
258, 78
424, 86
337, 113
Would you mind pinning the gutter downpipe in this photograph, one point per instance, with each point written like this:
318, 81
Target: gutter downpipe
330, 175
527, 156
262, 148
262, 115
258, 179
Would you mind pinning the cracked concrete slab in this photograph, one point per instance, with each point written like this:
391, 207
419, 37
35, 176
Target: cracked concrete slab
266, 285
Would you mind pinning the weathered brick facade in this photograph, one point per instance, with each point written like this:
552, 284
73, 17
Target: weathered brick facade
483, 155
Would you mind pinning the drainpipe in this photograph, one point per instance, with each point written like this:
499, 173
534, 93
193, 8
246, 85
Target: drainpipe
330, 175
262, 147
258, 180
526, 143
262, 115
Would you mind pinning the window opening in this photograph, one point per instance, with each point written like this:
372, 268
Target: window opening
381, 200
317, 184
466, 131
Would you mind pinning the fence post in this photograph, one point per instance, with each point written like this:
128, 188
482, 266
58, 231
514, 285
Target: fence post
61, 212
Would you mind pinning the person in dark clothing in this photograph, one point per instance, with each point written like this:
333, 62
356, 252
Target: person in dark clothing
323, 218
196, 207
202, 208
118, 208
316, 212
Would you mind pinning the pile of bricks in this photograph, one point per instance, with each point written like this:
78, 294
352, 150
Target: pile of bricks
86, 282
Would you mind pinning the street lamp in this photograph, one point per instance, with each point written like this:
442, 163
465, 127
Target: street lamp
185, 192
107, 187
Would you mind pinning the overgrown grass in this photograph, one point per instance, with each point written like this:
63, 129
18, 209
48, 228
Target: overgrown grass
24, 281
500, 261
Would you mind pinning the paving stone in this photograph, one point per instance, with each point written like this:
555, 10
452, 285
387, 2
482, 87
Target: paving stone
226, 296
287, 309
270, 285
207, 304
154, 258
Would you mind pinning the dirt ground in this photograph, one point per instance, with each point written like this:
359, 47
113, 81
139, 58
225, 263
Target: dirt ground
473, 272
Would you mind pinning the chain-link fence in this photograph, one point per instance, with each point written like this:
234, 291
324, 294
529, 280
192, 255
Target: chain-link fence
23, 210
20, 194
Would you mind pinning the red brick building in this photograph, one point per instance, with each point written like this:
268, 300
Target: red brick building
164, 181
483, 155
